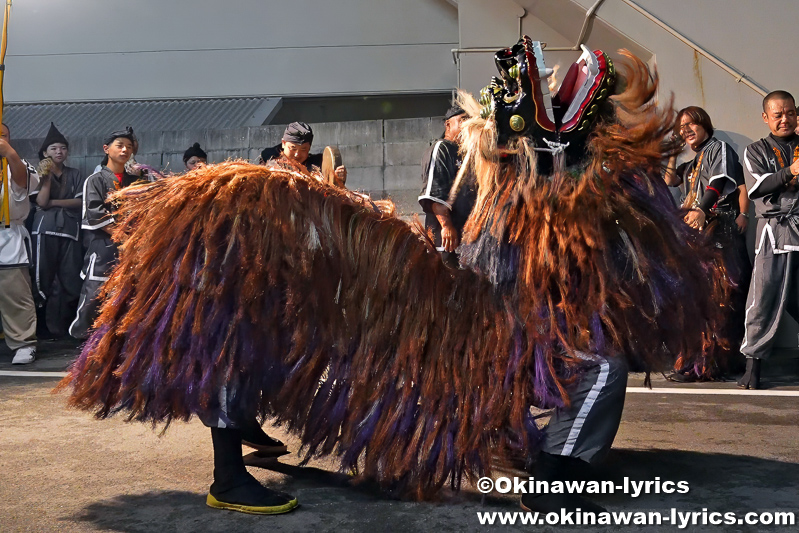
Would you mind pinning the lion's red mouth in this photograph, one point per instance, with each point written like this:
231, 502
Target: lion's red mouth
521, 101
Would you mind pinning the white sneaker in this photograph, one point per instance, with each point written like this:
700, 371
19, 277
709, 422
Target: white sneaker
24, 356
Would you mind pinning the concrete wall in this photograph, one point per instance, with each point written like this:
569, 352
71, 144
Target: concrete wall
748, 36
751, 37
110, 49
118, 49
745, 35
383, 157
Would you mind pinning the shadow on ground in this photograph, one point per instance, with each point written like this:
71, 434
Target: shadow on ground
718, 482
715, 479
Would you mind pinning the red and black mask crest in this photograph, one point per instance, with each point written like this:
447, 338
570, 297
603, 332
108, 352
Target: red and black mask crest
522, 105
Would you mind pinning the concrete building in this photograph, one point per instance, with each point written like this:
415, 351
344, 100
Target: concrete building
370, 75
372, 59
360, 55
713, 53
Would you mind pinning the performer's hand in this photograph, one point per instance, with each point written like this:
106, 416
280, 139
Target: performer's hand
678, 141
5, 149
341, 175
696, 219
795, 168
742, 222
449, 237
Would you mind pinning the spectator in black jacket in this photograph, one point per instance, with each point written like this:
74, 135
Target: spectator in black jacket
98, 224
440, 166
295, 148
771, 167
57, 248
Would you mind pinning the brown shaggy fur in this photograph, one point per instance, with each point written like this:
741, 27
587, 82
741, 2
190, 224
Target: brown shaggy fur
265, 281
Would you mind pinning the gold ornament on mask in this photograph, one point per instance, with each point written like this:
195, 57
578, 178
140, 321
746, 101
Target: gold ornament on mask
516, 123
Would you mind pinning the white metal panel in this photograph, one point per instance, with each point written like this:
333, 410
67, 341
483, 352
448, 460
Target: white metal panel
114, 49
758, 37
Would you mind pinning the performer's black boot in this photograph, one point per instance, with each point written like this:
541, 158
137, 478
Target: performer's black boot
751, 379
551, 468
233, 487
253, 435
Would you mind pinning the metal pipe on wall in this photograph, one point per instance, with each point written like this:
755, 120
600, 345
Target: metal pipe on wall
739, 76
456, 52
588, 16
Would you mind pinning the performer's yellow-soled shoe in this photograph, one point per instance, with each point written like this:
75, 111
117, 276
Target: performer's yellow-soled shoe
251, 509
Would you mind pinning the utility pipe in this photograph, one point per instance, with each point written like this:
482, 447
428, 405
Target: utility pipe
739, 76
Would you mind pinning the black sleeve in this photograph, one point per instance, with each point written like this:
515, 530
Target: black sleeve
315, 160
95, 211
79, 181
680, 171
738, 171
709, 199
439, 172
719, 169
267, 154
761, 180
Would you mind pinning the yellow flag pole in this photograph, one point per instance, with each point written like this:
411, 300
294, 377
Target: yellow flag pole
5, 211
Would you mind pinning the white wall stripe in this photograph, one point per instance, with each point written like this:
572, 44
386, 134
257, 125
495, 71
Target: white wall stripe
631, 390
715, 392
28, 374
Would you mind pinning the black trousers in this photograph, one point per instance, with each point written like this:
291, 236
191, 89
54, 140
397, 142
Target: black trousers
773, 292
586, 429
57, 263
100, 258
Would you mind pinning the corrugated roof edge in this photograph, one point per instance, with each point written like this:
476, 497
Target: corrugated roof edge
31, 120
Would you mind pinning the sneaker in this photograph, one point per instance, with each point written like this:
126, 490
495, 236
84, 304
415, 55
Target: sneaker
279, 507
251, 498
24, 356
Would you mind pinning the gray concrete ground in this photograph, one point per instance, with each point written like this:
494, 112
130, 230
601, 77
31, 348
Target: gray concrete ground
62, 470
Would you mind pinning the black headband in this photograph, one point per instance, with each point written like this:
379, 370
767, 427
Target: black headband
299, 133
127, 133
454, 111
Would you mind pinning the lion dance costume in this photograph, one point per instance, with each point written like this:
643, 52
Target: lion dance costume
242, 289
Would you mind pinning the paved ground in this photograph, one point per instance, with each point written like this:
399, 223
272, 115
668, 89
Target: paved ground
62, 470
